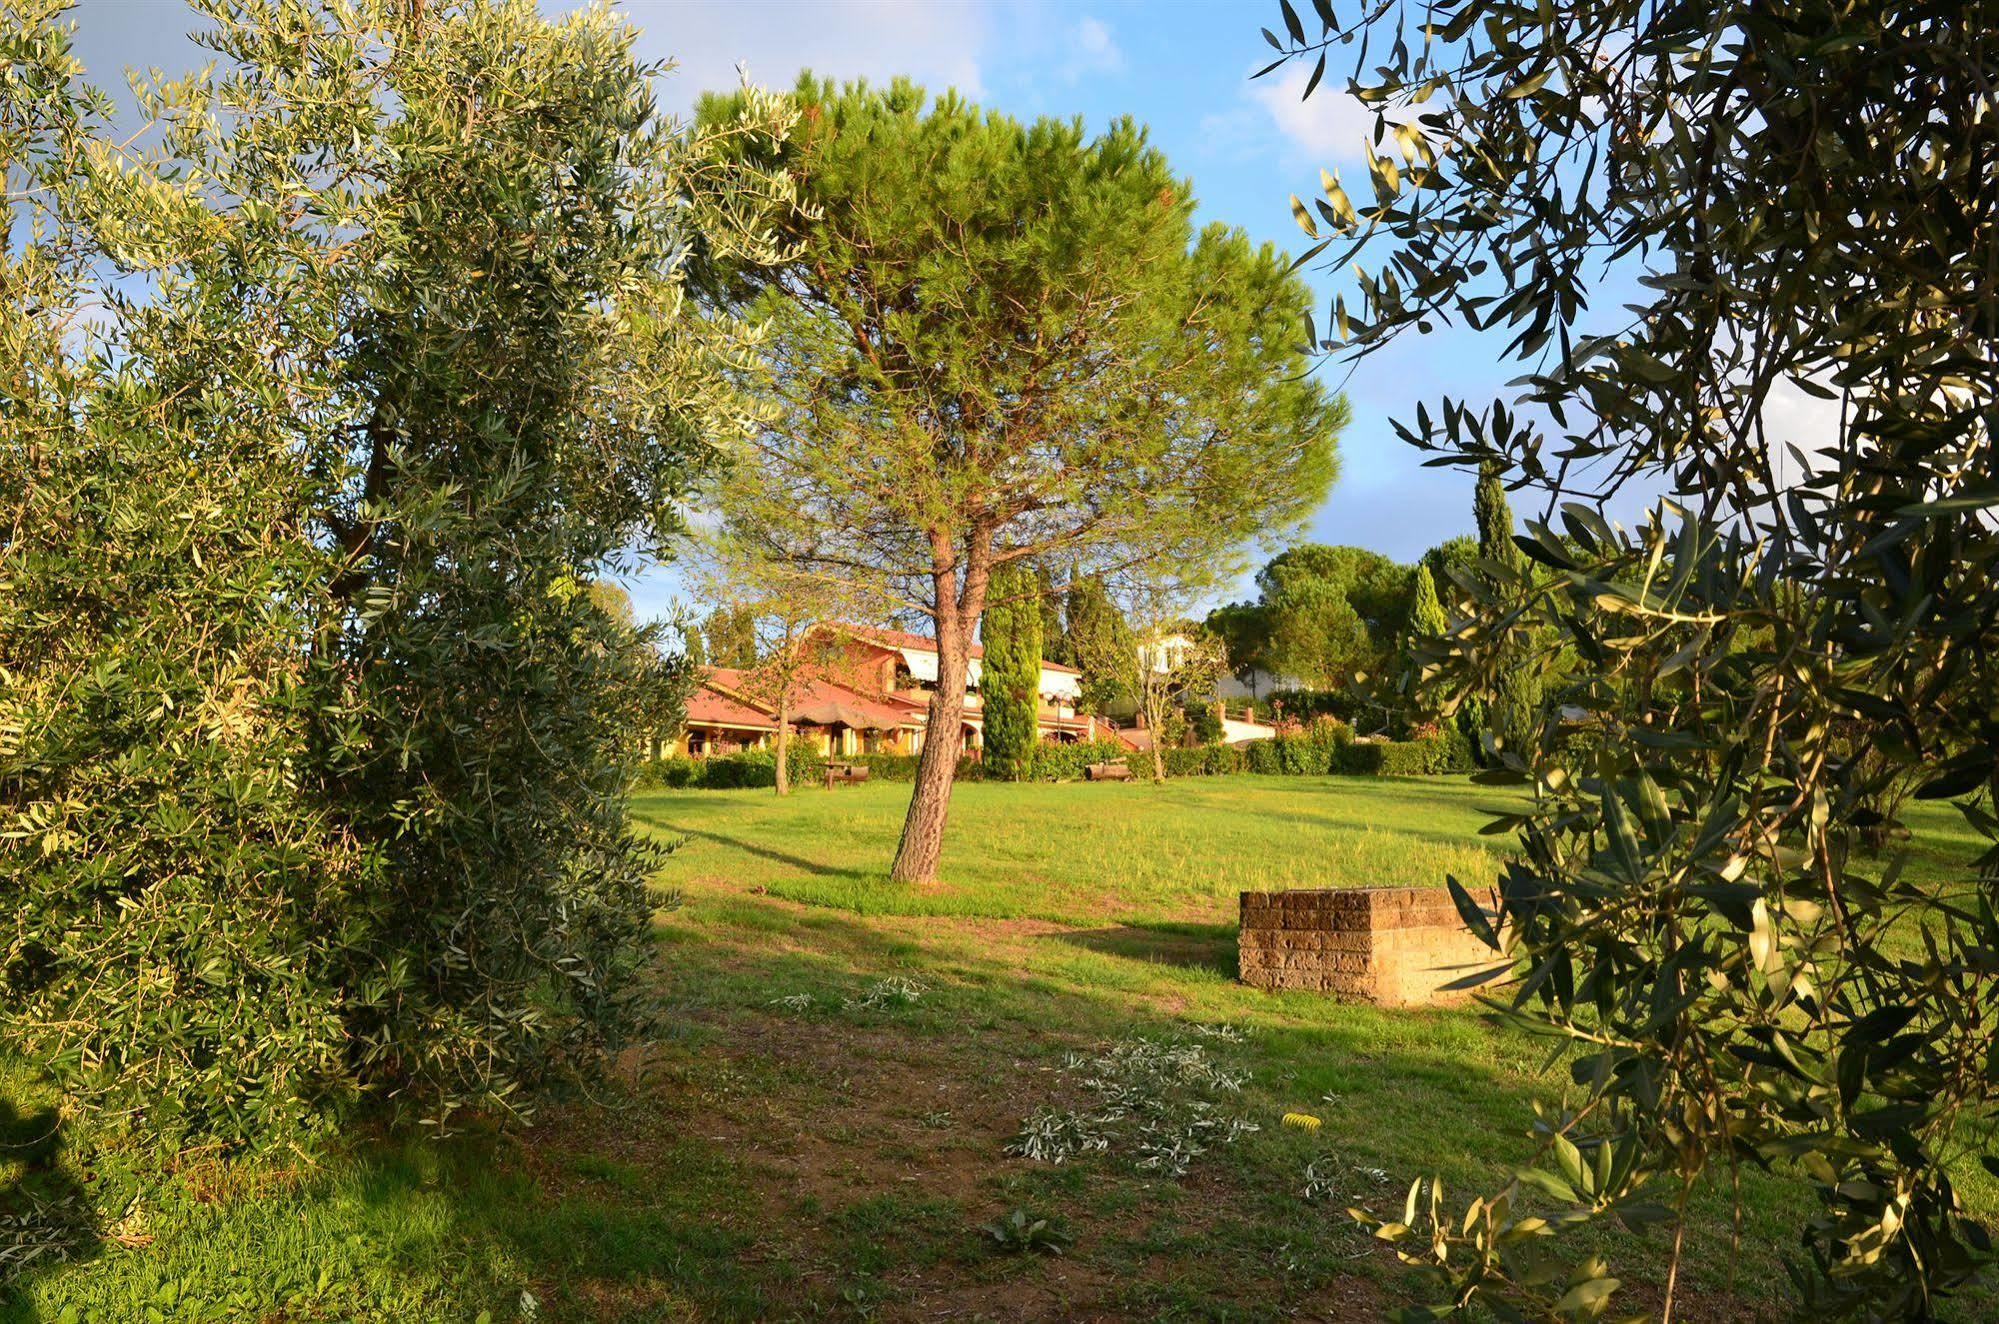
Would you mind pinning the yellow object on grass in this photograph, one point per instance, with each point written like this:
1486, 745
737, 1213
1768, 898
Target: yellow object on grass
1301, 1121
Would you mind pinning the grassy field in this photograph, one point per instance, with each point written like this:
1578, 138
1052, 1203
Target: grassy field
822, 1132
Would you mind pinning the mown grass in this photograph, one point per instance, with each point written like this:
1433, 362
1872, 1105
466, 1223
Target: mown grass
771, 1162
1082, 853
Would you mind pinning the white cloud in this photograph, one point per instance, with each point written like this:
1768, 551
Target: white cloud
1240, 131
939, 45
1330, 125
1794, 417
1092, 50
1791, 414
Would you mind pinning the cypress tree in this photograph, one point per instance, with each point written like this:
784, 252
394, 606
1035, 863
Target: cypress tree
1010, 680
1458, 553
1493, 517
1426, 611
1516, 699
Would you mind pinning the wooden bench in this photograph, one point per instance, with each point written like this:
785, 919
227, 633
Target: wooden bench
1114, 771
845, 772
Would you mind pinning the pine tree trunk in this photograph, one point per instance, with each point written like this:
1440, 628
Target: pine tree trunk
957, 610
944, 739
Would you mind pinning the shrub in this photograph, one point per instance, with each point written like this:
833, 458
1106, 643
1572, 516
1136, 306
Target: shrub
1211, 760
748, 769
671, 773
1438, 753
899, 767
757, 768
1065, 763
1205, 722
1329, 747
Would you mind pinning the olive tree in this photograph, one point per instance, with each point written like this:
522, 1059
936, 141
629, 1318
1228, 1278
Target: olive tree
325, 407
1003, 342
1806, 199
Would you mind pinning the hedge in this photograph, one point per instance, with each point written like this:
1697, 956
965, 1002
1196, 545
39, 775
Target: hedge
1307, 756
728, 772
1328, 748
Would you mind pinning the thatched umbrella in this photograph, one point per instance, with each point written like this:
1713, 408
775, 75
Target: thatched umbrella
834, 713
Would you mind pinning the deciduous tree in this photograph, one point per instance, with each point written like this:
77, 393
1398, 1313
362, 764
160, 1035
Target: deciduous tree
1174, 665
729, 638
785, 614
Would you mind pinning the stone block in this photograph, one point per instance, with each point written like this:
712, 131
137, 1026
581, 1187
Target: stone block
1393, 945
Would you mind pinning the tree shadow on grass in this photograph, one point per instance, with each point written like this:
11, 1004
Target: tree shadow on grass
741, 1173
1497, 846
46, 1215
746, 1173
798, 862
1190, 946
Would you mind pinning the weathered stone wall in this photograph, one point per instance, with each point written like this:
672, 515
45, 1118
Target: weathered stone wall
1393, 945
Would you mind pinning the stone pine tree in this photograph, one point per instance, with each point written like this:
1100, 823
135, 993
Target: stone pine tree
1330, 613
1454, 555
1513, 713
1010, 679
1002, 342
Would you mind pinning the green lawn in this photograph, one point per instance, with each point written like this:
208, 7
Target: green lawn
791, 1151
1079, 854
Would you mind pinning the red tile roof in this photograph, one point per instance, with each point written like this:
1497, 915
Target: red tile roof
721, 694
707, 707
924, 643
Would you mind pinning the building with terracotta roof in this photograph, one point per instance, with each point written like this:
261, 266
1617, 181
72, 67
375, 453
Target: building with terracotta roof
869, 693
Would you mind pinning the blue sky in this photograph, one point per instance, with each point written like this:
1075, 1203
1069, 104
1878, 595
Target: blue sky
1181, 68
